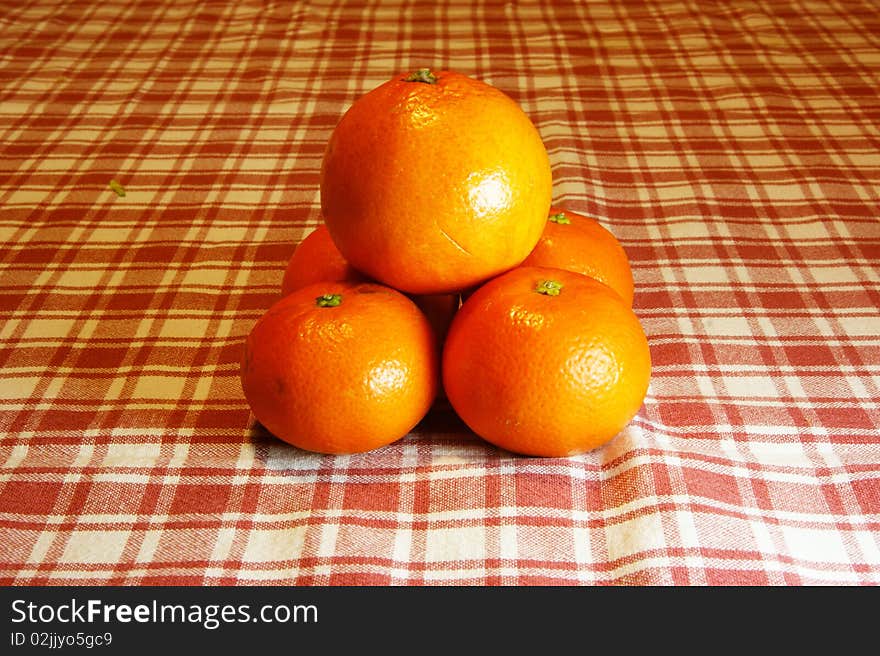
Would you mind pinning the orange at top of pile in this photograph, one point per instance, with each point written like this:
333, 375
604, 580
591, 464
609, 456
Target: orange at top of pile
435, 182
441, 267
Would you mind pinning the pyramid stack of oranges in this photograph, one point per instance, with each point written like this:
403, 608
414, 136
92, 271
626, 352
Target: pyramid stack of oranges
442, 269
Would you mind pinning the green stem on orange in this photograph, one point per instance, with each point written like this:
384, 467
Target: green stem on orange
423, 75
328, 300
559, 218
549, 287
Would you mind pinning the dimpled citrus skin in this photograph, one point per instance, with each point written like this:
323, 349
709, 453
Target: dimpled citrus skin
435, 187
546, 375
581, 244
317, 259
342, 379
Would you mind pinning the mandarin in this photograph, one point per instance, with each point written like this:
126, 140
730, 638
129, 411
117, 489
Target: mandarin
341, 367
316, 259
440, 310
581, 244
546, 362
433, 182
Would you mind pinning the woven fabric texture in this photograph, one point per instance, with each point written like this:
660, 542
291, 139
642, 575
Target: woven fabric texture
732, 147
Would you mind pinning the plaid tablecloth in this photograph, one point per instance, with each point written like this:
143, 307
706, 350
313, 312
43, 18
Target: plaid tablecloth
733, 147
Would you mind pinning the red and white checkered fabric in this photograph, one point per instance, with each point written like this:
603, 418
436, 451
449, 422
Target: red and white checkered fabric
732, 147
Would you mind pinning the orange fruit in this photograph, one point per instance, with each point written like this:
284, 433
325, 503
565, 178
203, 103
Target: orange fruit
440, 310
316, 259
546, 362
581, 244
340, 367
434, 181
